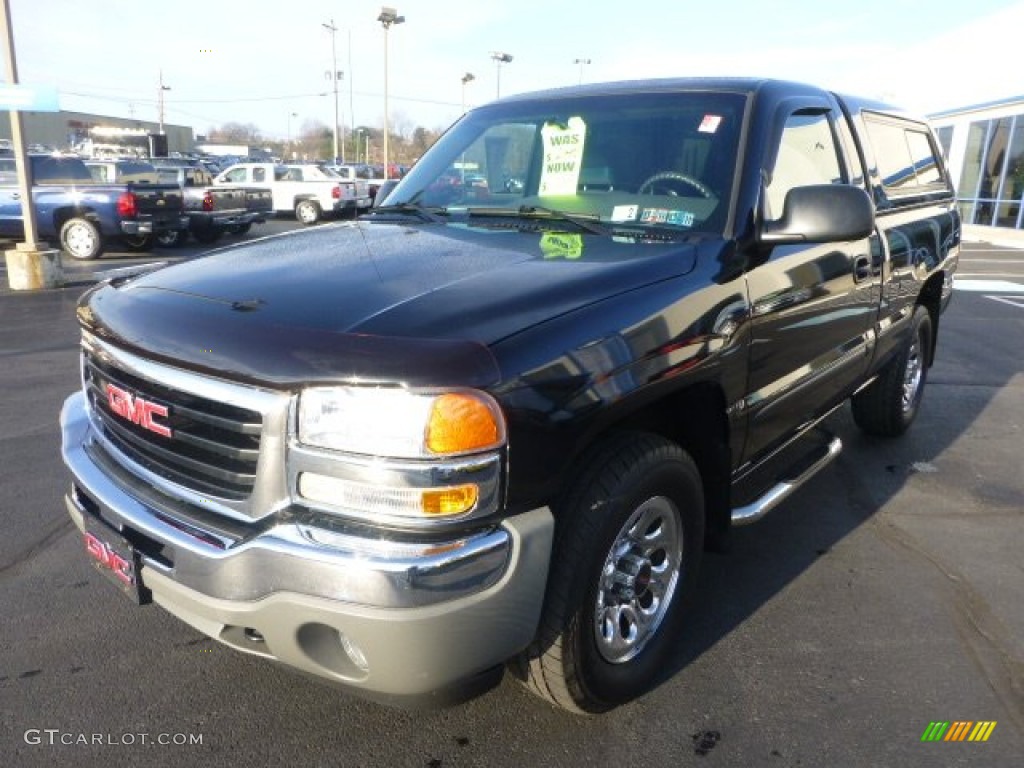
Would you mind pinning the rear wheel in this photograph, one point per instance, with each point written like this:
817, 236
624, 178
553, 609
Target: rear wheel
207, 235
81, 239
307, 212
888, 406
627, 550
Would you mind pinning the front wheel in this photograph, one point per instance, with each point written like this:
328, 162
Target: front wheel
627, 550
81, 239
307, 212
888, 406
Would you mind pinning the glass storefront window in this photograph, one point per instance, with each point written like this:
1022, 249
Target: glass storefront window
1013, 186
968, 187
1007, 213
945, 137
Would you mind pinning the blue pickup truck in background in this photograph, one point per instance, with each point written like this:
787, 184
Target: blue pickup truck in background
84, 216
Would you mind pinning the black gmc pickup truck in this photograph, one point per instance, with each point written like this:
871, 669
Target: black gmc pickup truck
494, 423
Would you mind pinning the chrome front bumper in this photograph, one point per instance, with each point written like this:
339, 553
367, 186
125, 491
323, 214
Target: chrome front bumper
423, 614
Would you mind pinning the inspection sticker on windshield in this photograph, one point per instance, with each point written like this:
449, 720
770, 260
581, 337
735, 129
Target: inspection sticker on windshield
624, 213
710, 123
563, 156
665, 216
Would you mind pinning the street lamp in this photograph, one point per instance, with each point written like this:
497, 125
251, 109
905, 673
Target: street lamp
335, 75
388, 16
499, 59
466, 78
581, 62
359, 134
160, 98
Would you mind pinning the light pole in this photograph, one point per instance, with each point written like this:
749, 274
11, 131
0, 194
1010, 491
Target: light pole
388, 16
466, 78
581, 62
335, 74
288, 146
359, 140
499, 59
160, 98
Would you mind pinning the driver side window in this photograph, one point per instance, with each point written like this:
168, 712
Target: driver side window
807, 155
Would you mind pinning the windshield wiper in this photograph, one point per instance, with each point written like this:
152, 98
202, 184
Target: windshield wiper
436, 215
588, 222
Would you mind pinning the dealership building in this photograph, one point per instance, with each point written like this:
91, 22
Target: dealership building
66, 130
984, 145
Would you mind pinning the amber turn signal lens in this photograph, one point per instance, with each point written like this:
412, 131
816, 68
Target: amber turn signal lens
460, 423
449, 501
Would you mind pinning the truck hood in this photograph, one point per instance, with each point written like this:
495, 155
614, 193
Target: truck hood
370, 301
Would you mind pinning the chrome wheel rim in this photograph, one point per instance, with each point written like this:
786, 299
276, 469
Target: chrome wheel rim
307, 214
638, 580
912, 375
80, 240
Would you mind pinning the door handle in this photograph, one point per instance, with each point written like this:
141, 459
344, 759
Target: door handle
861, 268
16, 195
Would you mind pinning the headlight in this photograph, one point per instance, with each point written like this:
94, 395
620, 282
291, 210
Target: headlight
407, 457
399, 423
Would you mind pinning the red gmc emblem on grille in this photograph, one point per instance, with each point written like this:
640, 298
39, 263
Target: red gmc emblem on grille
136, 410
108, 558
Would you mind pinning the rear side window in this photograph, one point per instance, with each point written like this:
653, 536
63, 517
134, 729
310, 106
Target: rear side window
8, 172
907, 158
59, 171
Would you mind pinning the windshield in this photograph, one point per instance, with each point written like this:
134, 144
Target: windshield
644, 159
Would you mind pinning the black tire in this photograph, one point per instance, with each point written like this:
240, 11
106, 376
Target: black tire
308, 212
240, 229
207, 235
81, 239
888, 406
172, 238
635, 481
138, 243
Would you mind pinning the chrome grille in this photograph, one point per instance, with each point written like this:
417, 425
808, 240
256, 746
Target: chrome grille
213, 448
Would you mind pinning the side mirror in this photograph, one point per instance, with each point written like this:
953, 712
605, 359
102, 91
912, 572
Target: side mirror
821, 213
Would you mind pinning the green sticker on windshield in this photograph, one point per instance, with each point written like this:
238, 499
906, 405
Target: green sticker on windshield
561, 245
563, 156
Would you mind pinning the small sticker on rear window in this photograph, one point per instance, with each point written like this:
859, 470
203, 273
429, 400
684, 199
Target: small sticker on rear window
710, 123
624, 213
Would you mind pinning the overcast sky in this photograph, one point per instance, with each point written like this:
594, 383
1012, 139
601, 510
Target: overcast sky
261, 61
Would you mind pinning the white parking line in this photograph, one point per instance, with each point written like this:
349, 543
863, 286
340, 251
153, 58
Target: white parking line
1013, 301
987, 275
987, 286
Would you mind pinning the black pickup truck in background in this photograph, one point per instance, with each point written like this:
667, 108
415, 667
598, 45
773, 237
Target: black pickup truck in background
83, 214
212, 210
494, 426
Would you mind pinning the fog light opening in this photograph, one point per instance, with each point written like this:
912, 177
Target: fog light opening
254, 635
354, 652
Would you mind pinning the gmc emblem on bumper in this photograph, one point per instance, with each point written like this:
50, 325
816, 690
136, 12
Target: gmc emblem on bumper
137, 410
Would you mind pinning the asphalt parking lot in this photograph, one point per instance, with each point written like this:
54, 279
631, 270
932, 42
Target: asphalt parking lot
884, 596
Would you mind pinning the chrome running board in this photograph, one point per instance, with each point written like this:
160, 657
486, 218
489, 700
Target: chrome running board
778, 493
